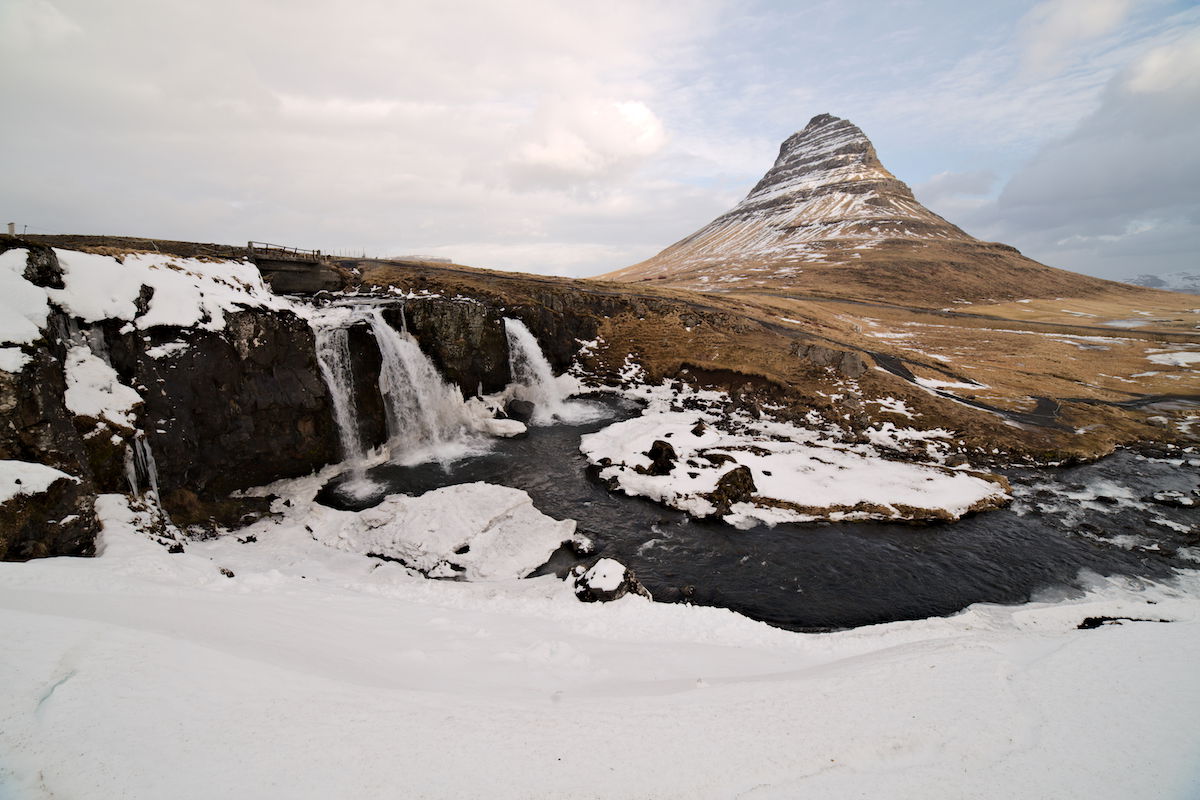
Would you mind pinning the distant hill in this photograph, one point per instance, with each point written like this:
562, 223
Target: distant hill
1188, 282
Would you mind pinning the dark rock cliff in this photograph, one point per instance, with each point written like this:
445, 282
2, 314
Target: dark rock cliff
223, 410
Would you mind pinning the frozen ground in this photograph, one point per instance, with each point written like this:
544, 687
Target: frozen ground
314, 672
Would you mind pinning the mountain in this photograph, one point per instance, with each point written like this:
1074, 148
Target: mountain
829, 219
1184, 281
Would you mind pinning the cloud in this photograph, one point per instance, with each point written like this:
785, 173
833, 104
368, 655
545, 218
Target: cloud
1120, 190
946, 185
581, 139
1053, 27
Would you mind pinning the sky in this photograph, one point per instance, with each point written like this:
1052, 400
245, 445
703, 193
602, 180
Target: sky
574, 138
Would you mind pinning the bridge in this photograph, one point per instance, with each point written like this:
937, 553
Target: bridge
293, 270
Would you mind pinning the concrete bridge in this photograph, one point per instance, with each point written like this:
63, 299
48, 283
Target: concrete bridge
292, 270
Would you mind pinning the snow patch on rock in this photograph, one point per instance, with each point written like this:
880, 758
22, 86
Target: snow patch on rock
95, 390
27, 478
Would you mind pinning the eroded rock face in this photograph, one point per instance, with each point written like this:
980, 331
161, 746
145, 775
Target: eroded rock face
464, 339
238, 408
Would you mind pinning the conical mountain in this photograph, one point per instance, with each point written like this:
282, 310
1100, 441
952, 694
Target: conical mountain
829, 219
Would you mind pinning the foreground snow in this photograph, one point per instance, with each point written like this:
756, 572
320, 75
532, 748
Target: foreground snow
313, 672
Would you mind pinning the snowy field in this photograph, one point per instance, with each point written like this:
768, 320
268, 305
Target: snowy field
315, 672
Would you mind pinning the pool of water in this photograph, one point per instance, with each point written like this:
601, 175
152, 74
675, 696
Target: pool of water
824, 576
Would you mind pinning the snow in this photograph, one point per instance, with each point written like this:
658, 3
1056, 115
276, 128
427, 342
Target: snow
319, 673
486, 531
26, 478
807, 470
23, 308
606, 575
12, 359
187, 292
935, 383
166, 350
95, 390
1175, 359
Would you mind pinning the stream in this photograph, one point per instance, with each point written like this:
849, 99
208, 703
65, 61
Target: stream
1064, 526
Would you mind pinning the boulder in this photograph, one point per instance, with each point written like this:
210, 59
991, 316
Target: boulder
735, 486
608, 579
520, 410
662, 458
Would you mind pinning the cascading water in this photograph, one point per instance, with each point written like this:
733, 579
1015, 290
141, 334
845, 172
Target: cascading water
426, 415
333, 357
531, 374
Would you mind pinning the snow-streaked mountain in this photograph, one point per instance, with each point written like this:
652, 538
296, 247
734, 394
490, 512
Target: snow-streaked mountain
1187, 282
828, 203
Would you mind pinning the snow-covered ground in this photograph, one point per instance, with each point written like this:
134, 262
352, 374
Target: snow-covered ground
800, 474
302, 670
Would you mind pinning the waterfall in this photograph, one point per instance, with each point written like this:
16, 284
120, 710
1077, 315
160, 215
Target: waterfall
426, 416
531, 374
333, 358
424, 411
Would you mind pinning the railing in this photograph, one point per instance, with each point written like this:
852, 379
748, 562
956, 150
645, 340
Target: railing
279, 251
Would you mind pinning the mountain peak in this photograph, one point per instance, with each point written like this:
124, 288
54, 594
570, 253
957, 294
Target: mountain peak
828, 204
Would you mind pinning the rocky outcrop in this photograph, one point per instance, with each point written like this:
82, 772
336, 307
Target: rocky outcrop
58, 521
219, 410
464, 339
238, 408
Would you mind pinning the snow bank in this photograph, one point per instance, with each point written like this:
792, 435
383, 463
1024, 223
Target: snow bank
187, 292
27, 477
477, 531
23, 307
95, 390
799, 474
326, 674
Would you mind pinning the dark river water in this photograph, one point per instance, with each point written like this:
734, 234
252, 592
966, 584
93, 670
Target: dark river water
822, 576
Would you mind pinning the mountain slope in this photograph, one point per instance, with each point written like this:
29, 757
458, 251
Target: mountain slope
829, 219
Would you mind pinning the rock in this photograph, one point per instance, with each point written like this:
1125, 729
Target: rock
662, 458
735, 486
608, 579
520, 410
1173, 498
850, 364
57, 521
